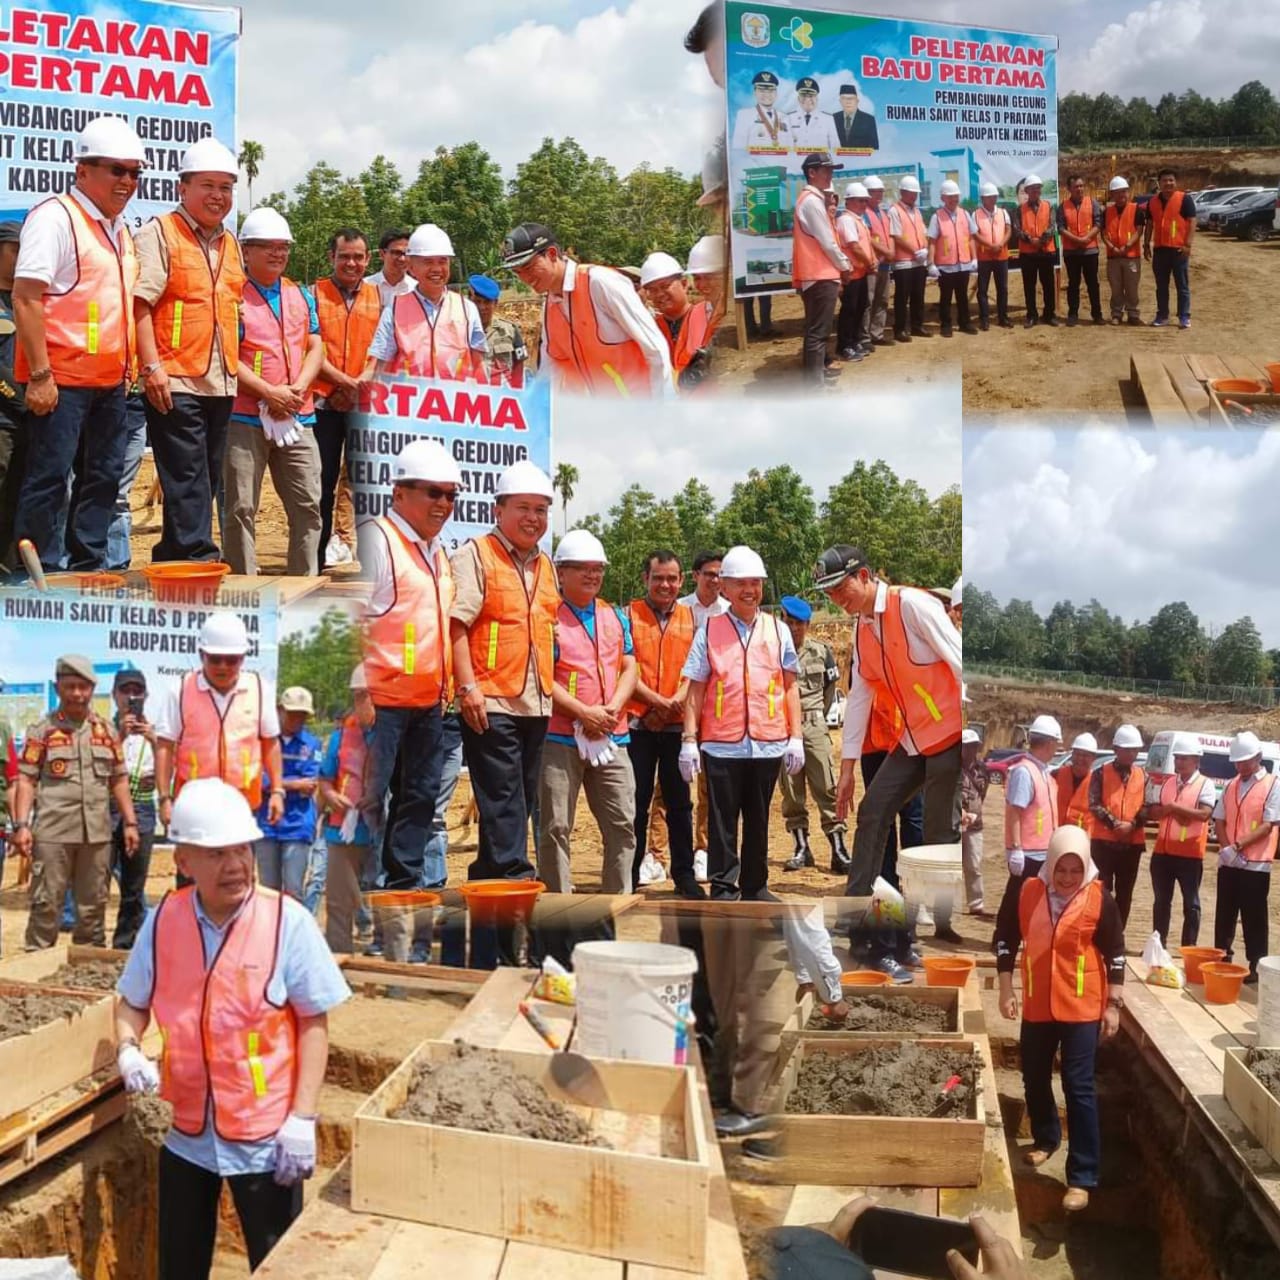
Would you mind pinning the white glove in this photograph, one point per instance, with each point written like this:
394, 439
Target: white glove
595, 751
1231, 857
350, 821
690, 761
934, 273
1016, 860
921, 256
793, 757
137, 1070
295, 1150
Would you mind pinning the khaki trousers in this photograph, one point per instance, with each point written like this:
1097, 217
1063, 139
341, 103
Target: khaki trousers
54, 866
819, 775
700, 836
342, 894
1124, 275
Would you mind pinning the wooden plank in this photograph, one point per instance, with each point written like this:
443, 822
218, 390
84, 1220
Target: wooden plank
1207, 367
32, 966
466, 1256
1189, 388
1243, 367
50, 1134
536, 1262
1252, 1102
810, 1205
488, 1018
1163, 402
418, 977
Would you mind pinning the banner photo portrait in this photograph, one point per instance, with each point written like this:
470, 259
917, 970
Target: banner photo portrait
486, 428
885, 96
169, 70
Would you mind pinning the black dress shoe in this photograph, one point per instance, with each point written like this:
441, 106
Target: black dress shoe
1052, 321
946, 331
968, 328
741, 1124
984, 326
1072, 322
947, 935
882, 342
761, 895
902, 337
1029, 322
765, 1149
1006, 324
770, 332
690, 890
921, 333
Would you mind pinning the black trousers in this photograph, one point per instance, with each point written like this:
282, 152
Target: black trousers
765, 303
188, 1217
819, 301
853, 306
657, 755
953, 284
1168, 870
999, 272
331, 439
504, 762
1038, 267
133, 886
739, 792
1083, 265
13, 462
1118, 870
1242, 894
187, 444
908, 297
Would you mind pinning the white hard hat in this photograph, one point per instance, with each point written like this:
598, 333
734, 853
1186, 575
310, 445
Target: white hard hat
989, 189
1186, 744
296, 698
658, 266
426, 460
1046, 727
265, 224
872, 183
707, 255
955, 592
1244, 746
909, 184
208, 156
524, 477
580, 546
109, 138
1033, 180
1118, 184
950, 188
969, 735
429, 241
1085, 742
224, 633
855, 191
742, 562
1126, 736
209, 813
358, 678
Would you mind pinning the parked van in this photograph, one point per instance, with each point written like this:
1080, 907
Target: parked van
1215, 763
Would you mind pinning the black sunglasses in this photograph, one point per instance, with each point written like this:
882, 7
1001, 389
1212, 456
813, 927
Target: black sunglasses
118, 170
432, 491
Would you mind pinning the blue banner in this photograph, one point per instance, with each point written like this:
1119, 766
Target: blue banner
884, 96
487, 428
169, 69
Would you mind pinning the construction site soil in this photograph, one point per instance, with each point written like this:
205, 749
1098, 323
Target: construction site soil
904, 1079
91, 975
1265, 1064
22, 1013
884, 1013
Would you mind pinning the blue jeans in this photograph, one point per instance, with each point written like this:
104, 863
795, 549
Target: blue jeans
1168, 262
89, 422
118, 554
1079, 1043
317, 873
434, 870
282, 864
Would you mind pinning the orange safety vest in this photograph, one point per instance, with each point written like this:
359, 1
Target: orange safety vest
231, 738
660, 650
992, 223
88, 330
1245, 816
512, 621
1063, 976
353, 754
588, 666
1122, 800
809, 259
224, 1041
1073, 798
860, 233
745, 694
1120, 226
695, 333
408, 660
955, 239
909, 217
1170, 225
878, 221
583, 360
1039, 820
928, 695
1079, 219
200, 305
346, 328
884, 725
1180, 838
439, 348
1029, 236
274, 347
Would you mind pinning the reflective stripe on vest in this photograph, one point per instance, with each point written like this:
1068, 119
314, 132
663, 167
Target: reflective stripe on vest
745, 690
1247, 815
512, 620
1079, 219
1073, 798
439, 348
408, 660
1170, 225
223, 1039
353, 754
274, 346
200, 305
1176, 836
1120, 226
911, 226
1038, 820
695, 333
1122, 800
660, 651
588, 666
809, 260
992, 224
1063, 979
955, 239
581, 359
346, 328
1029, 237
89, 329
224, 745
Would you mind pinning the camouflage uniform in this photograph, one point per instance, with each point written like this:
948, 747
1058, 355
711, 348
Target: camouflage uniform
506, 346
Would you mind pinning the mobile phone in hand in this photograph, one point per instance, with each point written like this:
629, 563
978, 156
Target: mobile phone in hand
912, 1244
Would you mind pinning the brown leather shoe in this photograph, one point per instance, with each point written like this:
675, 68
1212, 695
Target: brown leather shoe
1076, 1199
1035, 1156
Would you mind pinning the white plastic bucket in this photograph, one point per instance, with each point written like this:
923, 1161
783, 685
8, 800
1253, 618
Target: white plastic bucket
1269, 1002
634, 1001
930, 870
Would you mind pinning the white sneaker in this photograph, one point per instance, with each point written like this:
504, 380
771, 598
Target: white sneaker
651, 870
337, 552
700, 866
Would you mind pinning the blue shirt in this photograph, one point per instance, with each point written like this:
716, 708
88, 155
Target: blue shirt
588, 619
697, 666
305, 976
384, 345
271, 295
329, 772
301, 757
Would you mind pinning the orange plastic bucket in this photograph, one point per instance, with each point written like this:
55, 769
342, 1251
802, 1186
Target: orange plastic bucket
186, 581
1222, 981
402, 898
1249, 386
947, 971
1273, 372
864, 978
500, 901
1195, 957
84, 581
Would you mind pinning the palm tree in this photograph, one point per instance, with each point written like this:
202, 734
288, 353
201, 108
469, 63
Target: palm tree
566, 477
250, 160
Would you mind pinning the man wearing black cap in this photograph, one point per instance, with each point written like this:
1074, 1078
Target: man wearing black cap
761, 128
818, 265
811, 129
855, 129
507, 352
13, 408
137, 745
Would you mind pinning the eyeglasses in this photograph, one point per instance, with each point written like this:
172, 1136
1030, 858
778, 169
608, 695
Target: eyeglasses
132, 690
580, 568
395, 253
224, 659
118, 170
713, 574
432, 491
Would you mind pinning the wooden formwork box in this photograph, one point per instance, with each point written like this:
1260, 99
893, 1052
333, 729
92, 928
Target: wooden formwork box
858, 1150
948, 998
644, 1201
1255, 1104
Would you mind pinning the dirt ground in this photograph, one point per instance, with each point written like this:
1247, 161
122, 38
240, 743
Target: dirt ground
91, 975
884, 1013
20, 1014
904, 1079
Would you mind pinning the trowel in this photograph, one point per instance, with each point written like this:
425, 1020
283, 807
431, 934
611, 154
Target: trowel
573, 1074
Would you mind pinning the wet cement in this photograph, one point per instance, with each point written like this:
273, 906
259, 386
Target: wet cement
476, 1089
1265, 1065
92, 975
21, 1014
885, 1013
149, 1118
888, 1080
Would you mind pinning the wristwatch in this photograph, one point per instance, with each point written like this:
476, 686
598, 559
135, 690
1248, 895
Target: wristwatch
148, 369
464, 689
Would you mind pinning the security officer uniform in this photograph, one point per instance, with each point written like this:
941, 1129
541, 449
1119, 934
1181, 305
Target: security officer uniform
507, 352
72, 767
816, 679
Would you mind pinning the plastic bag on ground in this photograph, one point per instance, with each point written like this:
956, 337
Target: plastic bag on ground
887, 905
1161, 971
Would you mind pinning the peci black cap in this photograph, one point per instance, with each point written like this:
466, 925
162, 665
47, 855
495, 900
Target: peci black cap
526, 241
836, 564
819, 160
849, 88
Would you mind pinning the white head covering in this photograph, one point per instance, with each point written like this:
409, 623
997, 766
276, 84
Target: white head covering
1068, 839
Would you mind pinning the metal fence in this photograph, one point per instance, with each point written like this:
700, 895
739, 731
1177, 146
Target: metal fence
1126, 145
1177, 690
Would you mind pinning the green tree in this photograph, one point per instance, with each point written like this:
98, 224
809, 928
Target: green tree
1175, 645
982, 616
323, 201
250, 160
1074, 120
1139, 119
383, 189
1168, 116
576, 196
1236, 656
1061, 653
461, 190
321, 661
1101, 640
637, 524
657, 209
565, 479
1252, 109
695, 510
1022, 634
773, 513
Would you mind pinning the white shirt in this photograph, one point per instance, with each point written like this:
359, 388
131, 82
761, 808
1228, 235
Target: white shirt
701, 612
1270, 813
935, 233
375, 557
812, 216
390, 292
817, 133
896, 226
47, 251
749, 132
931, 637
168, 720
622, 317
